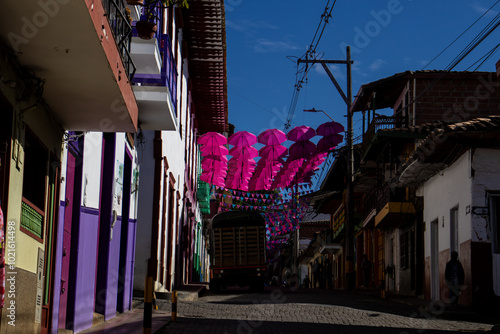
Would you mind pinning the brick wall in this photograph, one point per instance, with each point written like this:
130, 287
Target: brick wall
457, 98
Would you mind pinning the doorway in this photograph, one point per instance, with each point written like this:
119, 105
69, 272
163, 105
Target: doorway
434, 260
495, 240
127, 236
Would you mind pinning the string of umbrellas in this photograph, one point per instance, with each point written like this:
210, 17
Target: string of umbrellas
278, 166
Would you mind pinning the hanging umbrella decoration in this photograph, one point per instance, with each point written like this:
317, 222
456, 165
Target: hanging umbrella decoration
331, 137
271, 158
277, 167
214, 163
299, 152
242, 164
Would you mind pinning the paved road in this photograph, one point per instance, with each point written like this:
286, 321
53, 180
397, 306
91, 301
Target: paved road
284, 311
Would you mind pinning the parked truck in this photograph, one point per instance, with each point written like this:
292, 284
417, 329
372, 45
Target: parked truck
238, 250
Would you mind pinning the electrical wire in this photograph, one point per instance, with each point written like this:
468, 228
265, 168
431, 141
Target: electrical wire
460, 35
478, 39
310, 54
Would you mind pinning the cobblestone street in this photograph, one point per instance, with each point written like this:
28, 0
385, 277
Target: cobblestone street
316, 311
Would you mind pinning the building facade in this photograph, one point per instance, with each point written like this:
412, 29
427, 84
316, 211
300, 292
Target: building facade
174, 251
389, 215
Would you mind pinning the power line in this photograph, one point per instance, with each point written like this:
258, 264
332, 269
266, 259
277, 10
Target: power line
310, 54
460, 35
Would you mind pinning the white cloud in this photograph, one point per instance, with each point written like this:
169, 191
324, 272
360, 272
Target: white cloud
263, 45
339, 72
478, 7
248, 26
377, 64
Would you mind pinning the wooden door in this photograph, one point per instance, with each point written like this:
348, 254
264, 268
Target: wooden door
50, 237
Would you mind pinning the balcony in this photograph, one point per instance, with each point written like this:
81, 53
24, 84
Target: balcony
339, 218
155, 80
392, 208
80, 48
383, 122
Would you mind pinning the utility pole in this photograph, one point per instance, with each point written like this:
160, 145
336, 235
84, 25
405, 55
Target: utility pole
349, 222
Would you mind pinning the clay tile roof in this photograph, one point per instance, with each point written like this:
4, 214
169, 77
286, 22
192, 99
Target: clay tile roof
445, 143
205, 31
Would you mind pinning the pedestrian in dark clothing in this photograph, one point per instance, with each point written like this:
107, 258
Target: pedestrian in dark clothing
455, 277
307, 282
315, 268
366, 268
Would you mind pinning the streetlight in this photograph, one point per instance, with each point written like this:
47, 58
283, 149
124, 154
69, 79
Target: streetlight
314, 110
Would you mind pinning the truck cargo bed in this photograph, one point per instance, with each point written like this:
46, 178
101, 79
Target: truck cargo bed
239, 246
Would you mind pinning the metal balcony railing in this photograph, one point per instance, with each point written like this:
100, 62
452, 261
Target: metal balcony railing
122, 32
168, 76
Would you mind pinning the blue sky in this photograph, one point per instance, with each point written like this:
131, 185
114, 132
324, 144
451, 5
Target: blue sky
386, 37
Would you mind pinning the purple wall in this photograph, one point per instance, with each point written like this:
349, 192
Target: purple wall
86, 269
129, 266
113, 265
57, 269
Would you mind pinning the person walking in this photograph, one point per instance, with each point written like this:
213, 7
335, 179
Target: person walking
454, 276
307, 282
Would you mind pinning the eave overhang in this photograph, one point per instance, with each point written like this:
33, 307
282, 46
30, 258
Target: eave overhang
70, 45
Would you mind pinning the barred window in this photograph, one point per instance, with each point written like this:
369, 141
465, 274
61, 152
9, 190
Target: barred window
34, 179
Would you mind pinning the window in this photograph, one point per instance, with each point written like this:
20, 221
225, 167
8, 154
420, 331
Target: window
35, 172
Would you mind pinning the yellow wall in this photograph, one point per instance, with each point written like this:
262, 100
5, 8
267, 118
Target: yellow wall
51, 136
50, 133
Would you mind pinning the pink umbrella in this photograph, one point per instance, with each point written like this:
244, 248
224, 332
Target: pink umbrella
329, 128
301, 150
239, 172
246, 152
207, 164
328, 143
213, 179
272, 137
215, 158
212, 139
258, 184
300, 133
213, 150
242, 138
273, 152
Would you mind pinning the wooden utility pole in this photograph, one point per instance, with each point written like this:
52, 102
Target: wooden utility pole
349, 223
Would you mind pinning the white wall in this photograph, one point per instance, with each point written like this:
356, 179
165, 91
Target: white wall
145, 209
173, 149
486, 164
442, 192
91, 176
